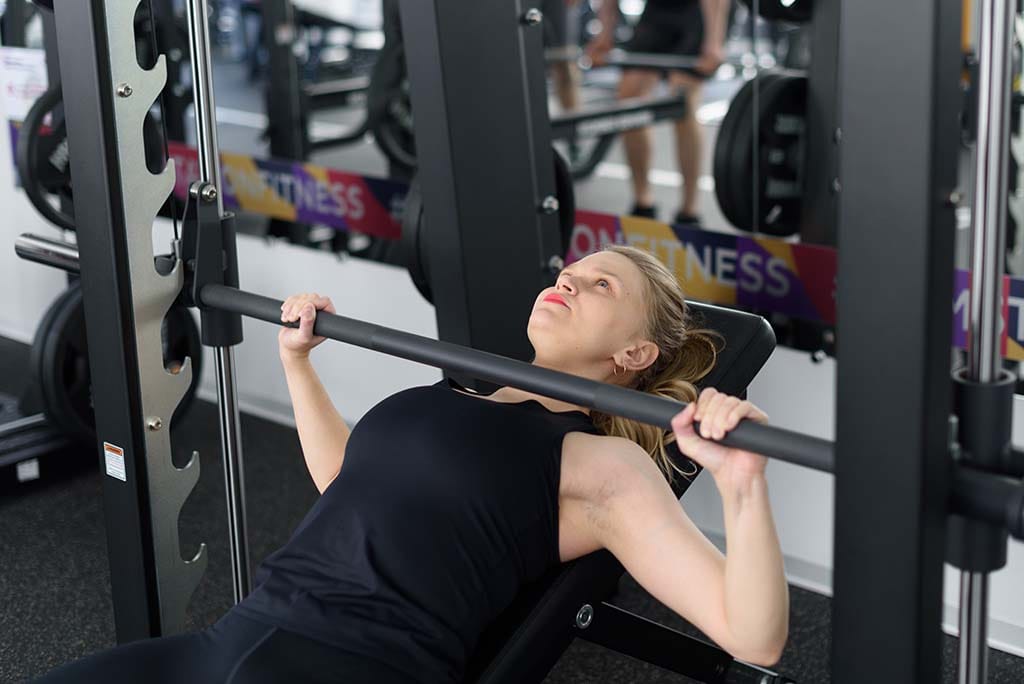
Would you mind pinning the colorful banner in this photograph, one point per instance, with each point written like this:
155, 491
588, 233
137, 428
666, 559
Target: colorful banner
758, 273
721, 268
304, 193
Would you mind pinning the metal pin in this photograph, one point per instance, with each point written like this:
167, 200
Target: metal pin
153, 423
533, 16
124, 90
549, 205
585, 616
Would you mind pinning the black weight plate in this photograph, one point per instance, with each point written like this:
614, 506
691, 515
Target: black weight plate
736, 116
735, 174
741, 168
42, 160
393, 130
39, 340
412, 244
60, 358
781, 157
64, 368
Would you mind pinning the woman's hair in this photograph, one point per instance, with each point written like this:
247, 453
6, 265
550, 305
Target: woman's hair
686, 354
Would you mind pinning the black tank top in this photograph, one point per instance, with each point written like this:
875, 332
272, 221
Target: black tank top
446, 504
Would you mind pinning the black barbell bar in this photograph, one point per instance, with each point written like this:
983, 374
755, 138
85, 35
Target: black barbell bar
785, 445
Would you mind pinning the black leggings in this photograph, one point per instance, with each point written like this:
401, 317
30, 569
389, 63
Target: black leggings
236, 650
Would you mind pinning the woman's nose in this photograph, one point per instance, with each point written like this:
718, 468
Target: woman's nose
566, 285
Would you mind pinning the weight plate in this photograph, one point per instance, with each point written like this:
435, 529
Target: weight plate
60, 358
722, 162
43, 330
412, 244
741, 166
781, 158
393, 130
64, 368
42, 158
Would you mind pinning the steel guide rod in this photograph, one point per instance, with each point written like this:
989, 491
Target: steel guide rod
988, 219
227, 401
984, 496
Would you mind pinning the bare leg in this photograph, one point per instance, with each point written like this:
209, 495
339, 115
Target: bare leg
566, 76
689, 141
637, 142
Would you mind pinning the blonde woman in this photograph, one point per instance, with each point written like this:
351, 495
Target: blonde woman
441, 503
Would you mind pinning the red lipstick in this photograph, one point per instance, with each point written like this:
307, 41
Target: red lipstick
557, 299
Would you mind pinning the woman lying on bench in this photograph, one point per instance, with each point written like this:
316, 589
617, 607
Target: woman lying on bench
441, 503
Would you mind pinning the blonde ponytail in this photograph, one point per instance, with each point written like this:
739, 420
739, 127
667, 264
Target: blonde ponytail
687, 353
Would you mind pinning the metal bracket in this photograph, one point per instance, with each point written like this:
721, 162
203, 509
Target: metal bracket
152, 296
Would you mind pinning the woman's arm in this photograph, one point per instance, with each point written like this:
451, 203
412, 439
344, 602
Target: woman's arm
740, 600
756, 593
322, 431
757, 596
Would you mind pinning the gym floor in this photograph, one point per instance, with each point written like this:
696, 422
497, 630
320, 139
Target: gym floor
55, 582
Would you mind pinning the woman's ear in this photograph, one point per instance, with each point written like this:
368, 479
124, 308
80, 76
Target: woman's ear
640, 356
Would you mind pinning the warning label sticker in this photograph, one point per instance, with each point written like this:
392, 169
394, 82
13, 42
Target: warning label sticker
113, 456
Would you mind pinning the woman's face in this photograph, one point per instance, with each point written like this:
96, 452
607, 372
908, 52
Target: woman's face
595, 310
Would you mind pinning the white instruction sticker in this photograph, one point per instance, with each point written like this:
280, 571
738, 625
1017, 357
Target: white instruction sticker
113, 456
28, 470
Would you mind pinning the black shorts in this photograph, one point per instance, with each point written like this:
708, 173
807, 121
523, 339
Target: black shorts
670, 31
556, 23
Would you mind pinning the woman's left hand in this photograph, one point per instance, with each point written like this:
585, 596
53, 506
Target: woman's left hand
717, 414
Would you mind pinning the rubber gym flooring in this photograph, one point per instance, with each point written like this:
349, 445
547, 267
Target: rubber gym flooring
55, 581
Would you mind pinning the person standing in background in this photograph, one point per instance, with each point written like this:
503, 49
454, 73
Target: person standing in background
685, 28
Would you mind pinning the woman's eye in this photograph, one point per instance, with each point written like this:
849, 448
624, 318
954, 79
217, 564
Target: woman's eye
603, 283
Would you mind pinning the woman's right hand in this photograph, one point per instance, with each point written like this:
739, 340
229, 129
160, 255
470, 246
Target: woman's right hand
296, 343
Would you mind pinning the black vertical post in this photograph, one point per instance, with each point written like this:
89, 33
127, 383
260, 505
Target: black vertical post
899, 70
102, 247
286, 129
483, 142
820, 209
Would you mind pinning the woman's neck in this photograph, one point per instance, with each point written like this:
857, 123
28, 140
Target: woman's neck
512, 394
